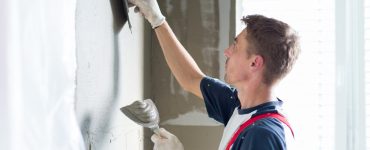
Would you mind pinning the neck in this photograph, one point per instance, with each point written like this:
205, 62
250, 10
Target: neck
254, 94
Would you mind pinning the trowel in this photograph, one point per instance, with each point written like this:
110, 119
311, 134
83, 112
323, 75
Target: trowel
144, 113
125, 13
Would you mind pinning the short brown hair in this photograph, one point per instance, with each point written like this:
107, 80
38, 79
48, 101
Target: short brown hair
276, 42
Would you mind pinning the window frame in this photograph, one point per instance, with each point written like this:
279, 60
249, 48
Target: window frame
350, 116
350, 94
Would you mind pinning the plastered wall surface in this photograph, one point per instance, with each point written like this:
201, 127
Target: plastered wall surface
110, 74
203, 28
116, 67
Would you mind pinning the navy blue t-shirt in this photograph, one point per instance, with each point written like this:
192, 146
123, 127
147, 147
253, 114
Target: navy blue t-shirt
222, 102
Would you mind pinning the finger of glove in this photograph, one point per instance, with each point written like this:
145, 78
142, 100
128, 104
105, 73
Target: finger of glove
137, 10
156, 138
131, 1
164, 133
130, 4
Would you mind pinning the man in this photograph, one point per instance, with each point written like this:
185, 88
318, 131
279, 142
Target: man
261, 55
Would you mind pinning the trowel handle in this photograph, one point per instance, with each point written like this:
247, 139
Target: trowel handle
156, 130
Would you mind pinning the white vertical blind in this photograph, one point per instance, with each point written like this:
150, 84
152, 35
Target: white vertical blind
309, 90
367, 69
40, 75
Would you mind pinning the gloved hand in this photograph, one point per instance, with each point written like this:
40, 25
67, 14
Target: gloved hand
150, 10
166, 141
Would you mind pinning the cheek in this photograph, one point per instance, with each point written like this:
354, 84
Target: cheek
236, 70
240, 69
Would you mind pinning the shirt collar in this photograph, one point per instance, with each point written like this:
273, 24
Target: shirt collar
271, 106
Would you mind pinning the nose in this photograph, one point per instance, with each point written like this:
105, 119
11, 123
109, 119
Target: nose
227, 51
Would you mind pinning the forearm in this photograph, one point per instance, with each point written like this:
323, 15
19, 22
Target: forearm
182, 65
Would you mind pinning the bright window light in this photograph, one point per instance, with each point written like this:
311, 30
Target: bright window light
309, 90
367, 69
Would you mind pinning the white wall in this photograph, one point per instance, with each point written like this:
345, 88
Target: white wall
110, 74
38, 66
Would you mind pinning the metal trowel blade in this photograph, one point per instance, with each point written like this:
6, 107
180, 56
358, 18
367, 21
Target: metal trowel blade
130, 114
125, 10
133, 116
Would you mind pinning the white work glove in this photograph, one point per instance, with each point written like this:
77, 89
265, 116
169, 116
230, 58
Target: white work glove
150, 10
166, 141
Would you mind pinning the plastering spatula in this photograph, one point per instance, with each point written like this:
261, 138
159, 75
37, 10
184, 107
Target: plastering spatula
125, 13
144, 113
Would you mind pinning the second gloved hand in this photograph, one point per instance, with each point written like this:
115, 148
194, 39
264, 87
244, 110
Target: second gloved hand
150, 10
166, 141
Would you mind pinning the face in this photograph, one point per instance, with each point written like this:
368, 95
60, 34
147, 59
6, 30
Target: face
237, 64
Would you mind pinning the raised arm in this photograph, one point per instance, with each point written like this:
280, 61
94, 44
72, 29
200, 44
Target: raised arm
179, 60
182, 65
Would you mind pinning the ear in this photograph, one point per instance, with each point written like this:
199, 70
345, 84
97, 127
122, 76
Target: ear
257, 62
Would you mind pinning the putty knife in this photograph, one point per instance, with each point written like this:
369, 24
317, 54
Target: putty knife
144, 113
125, 14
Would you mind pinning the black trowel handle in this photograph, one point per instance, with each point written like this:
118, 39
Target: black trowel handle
126, 7
156, 130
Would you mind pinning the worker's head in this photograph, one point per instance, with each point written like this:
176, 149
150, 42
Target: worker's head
265, 50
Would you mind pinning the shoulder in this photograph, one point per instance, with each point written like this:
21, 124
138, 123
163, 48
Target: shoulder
210, 82
220, 99
267, 133
213, 88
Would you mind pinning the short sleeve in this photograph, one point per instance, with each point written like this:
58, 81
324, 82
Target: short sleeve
220, 99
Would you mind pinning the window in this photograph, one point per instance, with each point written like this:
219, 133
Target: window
367, 69
309, 90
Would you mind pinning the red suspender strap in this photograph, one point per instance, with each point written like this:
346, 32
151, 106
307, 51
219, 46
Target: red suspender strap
254, 119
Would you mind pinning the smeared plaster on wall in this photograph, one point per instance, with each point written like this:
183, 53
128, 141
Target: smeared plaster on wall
185, 94
209, 53
169, 6
134, 139
175, 89
183, 7
224, 21
109, 75
196, 25
179, 9
192, 118
210, 23
208, 14
172, 86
